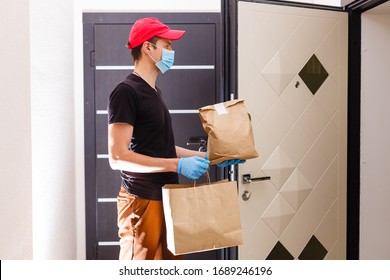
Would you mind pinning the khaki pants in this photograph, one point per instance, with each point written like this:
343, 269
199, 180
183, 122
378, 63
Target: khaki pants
142, 229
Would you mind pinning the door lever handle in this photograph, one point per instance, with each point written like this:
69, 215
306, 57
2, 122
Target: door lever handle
200, 141
247, 178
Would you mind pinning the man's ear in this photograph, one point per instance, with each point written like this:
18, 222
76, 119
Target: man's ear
146, 47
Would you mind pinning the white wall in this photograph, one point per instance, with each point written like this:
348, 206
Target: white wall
52, 119
15, 140
375, 136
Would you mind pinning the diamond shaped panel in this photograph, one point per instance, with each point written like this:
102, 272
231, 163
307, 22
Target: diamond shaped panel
278, 215
296, 189
279, 252
279, 166
313, 250
278, 73
313, 74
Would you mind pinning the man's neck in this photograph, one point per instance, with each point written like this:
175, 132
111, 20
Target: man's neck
148, 72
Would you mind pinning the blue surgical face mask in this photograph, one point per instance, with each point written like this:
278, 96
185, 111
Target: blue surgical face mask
166, 61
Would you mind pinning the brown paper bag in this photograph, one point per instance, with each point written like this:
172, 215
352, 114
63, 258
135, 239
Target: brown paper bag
203, 217
229, 131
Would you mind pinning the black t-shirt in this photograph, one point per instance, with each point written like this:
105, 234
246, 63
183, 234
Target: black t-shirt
134, 102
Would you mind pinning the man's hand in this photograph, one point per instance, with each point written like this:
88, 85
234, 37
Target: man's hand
227, 162
230, 162
192, 167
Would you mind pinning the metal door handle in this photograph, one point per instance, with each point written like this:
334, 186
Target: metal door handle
199, 141
246, 178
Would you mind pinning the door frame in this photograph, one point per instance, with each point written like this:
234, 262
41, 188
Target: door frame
354, 10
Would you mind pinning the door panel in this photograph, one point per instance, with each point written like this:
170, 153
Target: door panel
196, 40
105, 232
292, 73
178, 93
105, 81
107, 176
193, 82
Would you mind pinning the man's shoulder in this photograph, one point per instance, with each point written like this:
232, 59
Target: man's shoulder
129, 81
124, 87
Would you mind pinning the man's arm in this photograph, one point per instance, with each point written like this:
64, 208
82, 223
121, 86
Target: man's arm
183, 152
121, 158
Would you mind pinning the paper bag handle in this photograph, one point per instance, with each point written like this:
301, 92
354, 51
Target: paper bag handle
207, 176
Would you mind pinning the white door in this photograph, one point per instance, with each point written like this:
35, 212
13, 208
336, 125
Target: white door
292, 72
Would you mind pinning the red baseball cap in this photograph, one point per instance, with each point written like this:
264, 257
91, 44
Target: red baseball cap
147, 28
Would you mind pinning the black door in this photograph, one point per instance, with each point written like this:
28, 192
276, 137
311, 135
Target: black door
193, 82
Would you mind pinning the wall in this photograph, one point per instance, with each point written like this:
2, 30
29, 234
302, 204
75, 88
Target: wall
375, 136
15, 140
37, 119
52, 122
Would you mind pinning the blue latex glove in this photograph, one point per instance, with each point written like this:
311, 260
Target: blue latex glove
227, 162
192, 167
230, 162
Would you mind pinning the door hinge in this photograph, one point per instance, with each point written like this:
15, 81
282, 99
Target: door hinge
92, 58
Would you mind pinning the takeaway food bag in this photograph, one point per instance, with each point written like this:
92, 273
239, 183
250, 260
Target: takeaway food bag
202, 217
229, 130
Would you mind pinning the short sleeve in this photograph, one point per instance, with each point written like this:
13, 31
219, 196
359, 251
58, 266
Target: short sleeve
122, 105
